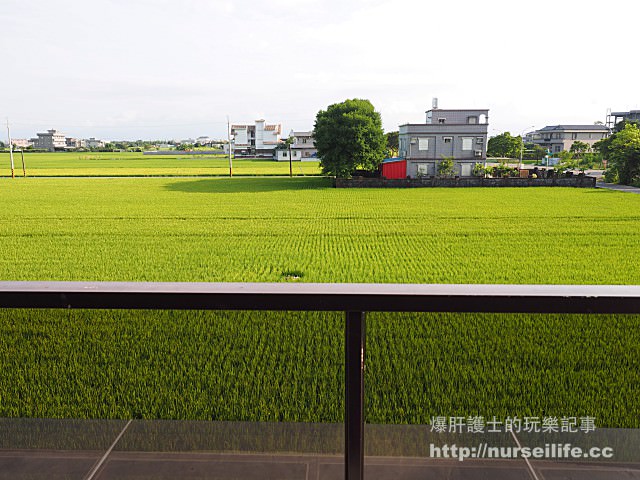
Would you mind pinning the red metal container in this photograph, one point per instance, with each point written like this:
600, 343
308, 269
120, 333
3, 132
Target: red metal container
394, 168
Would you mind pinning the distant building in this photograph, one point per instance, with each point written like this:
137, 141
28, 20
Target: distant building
613, 118
203, 140
305, 144
303, 148
281, 154
94, 143
459, 134
21, 142
558, 138
72, 143
52, 140
259, 140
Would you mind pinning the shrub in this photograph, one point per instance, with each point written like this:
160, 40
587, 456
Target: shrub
445, 167
611, 176
480, 170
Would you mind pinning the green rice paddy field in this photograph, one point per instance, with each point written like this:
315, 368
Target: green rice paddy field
289, 366
129, 164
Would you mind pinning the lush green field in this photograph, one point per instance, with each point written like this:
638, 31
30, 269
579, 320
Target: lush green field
285, 366
126, 164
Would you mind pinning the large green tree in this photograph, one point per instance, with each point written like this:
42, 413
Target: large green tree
393, 143
622, 151
533, 151
579, 148
349, 136
504, 146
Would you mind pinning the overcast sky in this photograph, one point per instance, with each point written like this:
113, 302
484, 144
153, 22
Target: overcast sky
159, 69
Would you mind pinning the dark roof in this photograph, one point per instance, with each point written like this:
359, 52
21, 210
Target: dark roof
574, 127
625, 114
457, 110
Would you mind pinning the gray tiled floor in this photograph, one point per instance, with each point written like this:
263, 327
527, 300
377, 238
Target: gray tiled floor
58, 449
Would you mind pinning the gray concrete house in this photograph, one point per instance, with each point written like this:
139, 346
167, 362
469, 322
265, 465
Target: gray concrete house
557, 138
461, 134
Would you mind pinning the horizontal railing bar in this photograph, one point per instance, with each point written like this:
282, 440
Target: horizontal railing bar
323, 297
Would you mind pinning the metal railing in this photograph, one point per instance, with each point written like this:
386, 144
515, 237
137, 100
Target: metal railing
354, 299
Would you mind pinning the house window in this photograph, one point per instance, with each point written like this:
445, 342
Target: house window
574, 136
423, 144
442, 120
423, 169
467, 144
304, 140
479, 141
472, 120
591, 135
557, 148
447, 139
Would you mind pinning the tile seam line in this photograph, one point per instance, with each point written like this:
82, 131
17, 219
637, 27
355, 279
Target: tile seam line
92, 473
526, 460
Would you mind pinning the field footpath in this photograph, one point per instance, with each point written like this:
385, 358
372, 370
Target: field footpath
618, 188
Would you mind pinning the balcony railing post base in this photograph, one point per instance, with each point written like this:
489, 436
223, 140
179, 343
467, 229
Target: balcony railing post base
354, 395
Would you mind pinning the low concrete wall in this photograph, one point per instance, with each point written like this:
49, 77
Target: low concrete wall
362, 182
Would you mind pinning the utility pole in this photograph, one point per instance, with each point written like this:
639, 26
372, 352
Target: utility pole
522, 144
290, 159
24, 170
10, 149
229, 140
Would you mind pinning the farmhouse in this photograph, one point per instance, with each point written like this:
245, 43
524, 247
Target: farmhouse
457, 134
303, 148
558, 138
281, 154
259, 140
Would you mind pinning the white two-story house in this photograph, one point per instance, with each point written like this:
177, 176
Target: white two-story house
258, 140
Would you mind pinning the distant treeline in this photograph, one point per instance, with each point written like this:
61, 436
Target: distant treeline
183, 152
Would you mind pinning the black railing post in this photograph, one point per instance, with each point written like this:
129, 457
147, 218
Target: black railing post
354, 396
